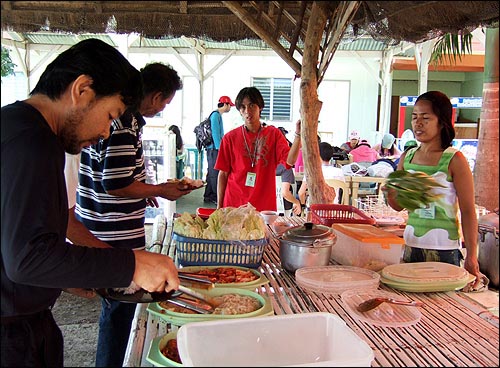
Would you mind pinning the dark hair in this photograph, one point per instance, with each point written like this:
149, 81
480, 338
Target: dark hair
285, 132
325, 151
441, 106
159, 77
220, 104
253, 94
178, 137
110, 71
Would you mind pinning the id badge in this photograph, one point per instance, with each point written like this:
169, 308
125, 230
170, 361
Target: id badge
428, 213
250, 182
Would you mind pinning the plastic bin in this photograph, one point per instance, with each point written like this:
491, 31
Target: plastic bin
328, 214
306, 339
366, 246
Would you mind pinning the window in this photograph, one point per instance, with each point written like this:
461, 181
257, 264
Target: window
277, 93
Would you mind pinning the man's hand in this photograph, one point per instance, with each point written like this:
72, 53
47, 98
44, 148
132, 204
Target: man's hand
155, 272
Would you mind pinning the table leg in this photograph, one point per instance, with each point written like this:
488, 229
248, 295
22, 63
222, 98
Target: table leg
354, 193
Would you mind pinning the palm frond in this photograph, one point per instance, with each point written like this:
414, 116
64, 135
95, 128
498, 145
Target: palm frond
450, 46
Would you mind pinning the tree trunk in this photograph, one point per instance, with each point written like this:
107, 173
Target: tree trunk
318, 190
486, 167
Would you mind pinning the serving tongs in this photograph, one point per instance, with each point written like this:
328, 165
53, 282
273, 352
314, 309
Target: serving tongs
373, 303
201, 308
144, 296
195, 281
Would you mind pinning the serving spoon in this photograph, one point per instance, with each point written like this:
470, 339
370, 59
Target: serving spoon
373, 303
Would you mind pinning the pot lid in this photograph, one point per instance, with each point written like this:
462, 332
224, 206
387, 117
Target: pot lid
418, 273
490, 219
308, 233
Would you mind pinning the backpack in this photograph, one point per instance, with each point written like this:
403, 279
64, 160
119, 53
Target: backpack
203, 132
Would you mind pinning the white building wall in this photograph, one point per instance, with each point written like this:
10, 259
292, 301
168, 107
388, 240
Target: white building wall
349, 90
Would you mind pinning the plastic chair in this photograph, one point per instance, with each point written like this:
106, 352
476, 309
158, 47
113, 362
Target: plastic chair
339, 184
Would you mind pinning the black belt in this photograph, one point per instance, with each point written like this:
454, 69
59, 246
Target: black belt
24, 317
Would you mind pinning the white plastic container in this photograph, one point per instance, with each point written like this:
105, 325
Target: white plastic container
307, 339
336, 279
366, 246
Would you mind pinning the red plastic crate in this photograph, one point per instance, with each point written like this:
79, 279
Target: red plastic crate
328, 214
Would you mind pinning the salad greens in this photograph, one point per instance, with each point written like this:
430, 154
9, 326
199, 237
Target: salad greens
228, 223
414, 189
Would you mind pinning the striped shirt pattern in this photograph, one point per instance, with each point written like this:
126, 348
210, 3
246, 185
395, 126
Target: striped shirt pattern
113, 164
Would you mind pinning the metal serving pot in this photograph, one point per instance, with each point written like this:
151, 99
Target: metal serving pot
306, 245
488, 247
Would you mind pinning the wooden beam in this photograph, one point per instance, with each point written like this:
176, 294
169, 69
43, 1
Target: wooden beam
298, 29
246, 18
340, 20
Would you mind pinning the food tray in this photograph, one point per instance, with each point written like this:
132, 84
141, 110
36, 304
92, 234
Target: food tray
251, 285
179, 319
155, 356
205, 252
328, 214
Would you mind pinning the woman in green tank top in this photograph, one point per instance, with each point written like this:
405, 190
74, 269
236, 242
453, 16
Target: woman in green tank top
434, 233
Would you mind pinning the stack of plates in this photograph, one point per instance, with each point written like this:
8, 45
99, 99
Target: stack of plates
336, 279
425, 277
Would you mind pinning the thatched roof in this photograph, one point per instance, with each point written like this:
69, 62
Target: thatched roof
392, 21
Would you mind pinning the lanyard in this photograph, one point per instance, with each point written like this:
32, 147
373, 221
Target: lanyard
253, 158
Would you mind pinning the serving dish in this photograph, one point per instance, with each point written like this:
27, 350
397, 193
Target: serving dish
251, 285
155, 355
179, 319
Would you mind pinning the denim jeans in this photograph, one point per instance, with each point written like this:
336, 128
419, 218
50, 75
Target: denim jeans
412, 254
212, 176
114, 329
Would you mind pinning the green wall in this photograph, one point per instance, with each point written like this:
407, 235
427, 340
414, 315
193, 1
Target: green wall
453, 84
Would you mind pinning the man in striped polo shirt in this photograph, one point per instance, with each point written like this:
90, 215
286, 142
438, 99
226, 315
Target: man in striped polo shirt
112, 196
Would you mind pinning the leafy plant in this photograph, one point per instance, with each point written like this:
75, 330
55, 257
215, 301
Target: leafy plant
7, 64
450, 46
414, 189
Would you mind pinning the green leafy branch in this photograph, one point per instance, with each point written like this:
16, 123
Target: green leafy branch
7, 64
450, 46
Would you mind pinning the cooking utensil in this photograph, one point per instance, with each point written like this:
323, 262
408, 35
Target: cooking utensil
306, 245
197, 295
269, 216
140, 296
488, 256
373, 303
179, 301
193, 280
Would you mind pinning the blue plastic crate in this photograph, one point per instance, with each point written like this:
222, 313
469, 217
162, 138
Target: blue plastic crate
205, 252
